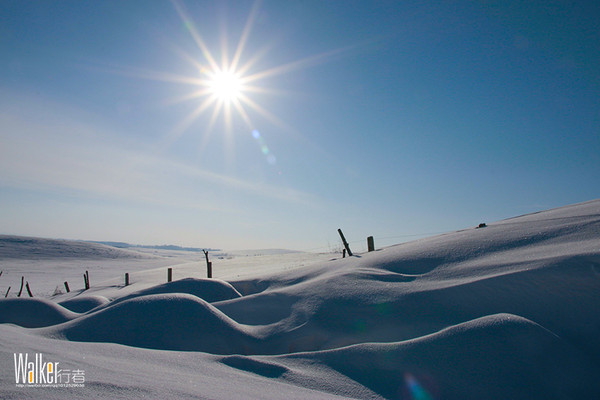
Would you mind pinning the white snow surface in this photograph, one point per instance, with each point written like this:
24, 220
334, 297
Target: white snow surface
507, 311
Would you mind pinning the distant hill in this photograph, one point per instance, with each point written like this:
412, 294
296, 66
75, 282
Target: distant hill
123, 245
31, 248
260, 252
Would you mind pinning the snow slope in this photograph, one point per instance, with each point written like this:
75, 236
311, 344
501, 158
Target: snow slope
505, 311
17, 247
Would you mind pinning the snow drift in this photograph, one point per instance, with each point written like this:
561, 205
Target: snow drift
161, 321
210, 290
84, 303
33, 313
509, 310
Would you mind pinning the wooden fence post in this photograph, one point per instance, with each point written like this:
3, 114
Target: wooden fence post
6, 295
126, 278
208, 264
370, 244
22, 282
28, 289
67, 286
169, 274
345, 243
86, 280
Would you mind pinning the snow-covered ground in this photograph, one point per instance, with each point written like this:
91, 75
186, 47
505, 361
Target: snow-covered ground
507, 311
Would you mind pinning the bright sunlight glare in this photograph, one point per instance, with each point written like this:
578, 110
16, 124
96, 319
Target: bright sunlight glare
226, 85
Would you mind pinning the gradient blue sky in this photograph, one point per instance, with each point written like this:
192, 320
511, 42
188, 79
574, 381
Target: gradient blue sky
386, 118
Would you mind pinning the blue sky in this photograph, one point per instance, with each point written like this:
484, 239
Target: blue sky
392, 119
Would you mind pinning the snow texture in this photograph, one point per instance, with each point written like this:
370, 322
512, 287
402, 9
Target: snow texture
509, 310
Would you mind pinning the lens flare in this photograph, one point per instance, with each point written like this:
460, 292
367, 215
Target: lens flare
263, 147
416, 391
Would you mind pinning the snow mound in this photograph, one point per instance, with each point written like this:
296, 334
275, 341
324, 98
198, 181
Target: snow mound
160, 321
85, 303
497, 356
544, 267
30, 248
33, 312
210, 290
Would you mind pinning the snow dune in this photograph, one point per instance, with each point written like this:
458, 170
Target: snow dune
211, 290
509, 310
497, 356
33, 313
160, 321
84, 303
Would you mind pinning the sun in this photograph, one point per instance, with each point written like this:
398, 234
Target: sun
227, 88
226, 85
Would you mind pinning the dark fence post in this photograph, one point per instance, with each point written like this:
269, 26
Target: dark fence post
6, 295
21, 290
126, 278
86, 280
343, 253
208, 264
169, 274
370, 244
67, 287
345, 243
28, 289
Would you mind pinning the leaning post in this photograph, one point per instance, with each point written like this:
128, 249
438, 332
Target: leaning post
22, 283
345, 243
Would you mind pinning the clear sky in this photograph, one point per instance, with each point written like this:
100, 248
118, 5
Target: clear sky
383, 118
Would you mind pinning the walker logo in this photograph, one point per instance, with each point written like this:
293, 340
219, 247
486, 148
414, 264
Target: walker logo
37, 372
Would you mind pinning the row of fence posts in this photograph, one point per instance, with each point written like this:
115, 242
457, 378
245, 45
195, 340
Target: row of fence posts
86, 279
23, 284
86, 282
370, 244
170, 270
86, 275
